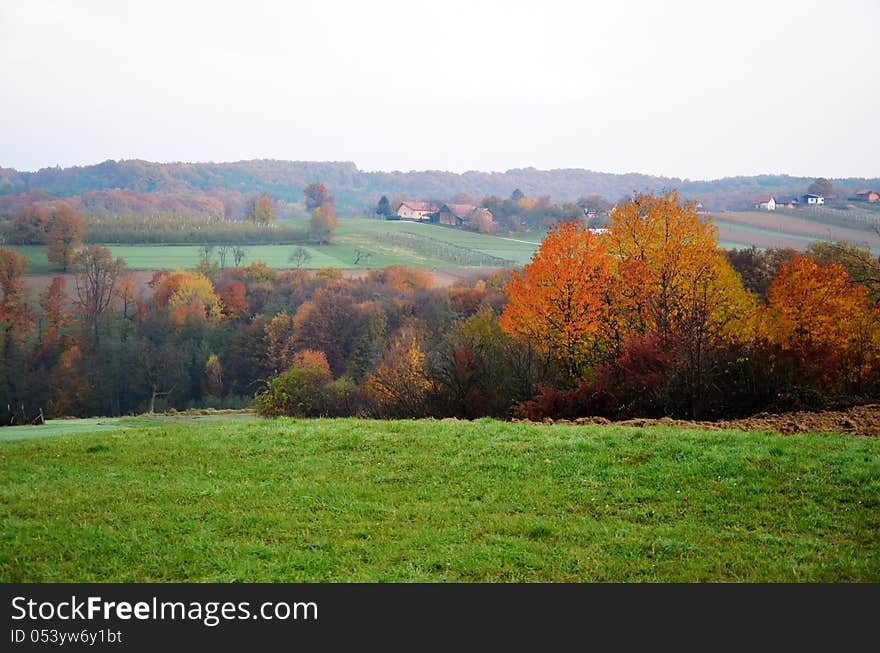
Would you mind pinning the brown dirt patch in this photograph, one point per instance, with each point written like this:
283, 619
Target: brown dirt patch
859, 420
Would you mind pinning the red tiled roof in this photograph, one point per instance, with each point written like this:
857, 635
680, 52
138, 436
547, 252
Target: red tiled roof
461, 210
763, 199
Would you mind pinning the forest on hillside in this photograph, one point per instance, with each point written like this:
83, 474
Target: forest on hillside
222, 189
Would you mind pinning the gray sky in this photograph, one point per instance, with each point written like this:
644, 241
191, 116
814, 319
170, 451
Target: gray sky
677, 88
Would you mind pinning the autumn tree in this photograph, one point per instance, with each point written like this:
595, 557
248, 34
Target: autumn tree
402, 278
214, 376
13, 307
280, 342
67, 383
317, 195
401, 385
188, 295
757, 267
31, 224
95, 275
816, 311
329, 322
233, 299
860, 263
673, 284
126, 291
662, 251
821, 187
15, 322
64, 237
261, 210
299, 391
473, 366
322, 223
55, 317
559, 302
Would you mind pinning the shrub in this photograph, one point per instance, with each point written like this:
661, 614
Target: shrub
297, 392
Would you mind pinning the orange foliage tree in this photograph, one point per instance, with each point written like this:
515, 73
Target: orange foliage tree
402, 278
559, 302
13, 308
818, 312
233, 298
65, 234
55, 315
15, 321
31, 224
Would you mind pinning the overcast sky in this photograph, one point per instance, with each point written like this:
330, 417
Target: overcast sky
676, 88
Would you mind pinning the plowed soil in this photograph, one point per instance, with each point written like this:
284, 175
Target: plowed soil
860, 420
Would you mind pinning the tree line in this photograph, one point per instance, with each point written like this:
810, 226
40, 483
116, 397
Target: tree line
201, 185
648, 319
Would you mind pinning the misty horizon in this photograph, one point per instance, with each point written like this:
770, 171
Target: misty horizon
463, 171
683, 90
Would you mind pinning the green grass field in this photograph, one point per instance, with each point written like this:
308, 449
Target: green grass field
391, 242
350, 500
368, 236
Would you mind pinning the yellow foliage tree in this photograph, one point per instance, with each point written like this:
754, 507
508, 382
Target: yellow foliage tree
188, 295
400, 386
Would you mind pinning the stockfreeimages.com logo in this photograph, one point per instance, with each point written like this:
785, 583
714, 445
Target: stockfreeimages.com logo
209, 613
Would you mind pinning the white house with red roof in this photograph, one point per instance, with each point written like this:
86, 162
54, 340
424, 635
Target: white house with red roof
412, 210
765, 202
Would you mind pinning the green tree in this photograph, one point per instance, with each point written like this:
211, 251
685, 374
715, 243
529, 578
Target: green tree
383, 208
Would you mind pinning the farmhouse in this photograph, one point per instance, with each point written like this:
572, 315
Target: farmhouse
409, 210
812, 200
459, 215
868, 195
765, 202
788, 203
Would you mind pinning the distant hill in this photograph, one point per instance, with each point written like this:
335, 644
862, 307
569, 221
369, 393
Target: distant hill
136, 186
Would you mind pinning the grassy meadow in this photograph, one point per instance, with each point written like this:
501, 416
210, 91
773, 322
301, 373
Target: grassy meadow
381, 243
412, 501
361, 243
